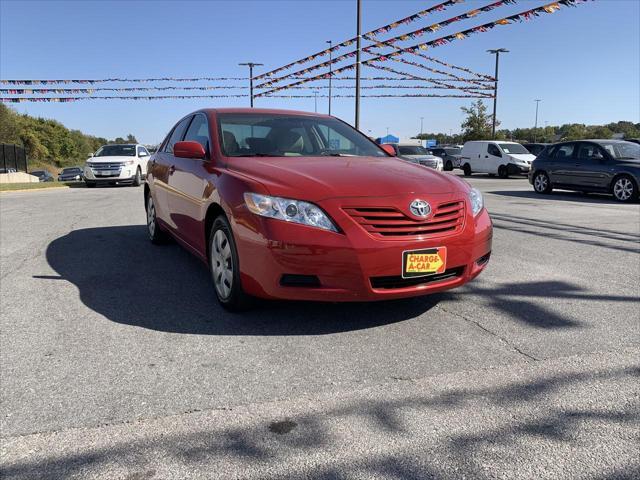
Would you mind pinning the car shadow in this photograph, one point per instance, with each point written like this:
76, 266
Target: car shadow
120, 275
560, 195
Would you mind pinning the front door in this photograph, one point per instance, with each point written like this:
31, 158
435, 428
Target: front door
590, 167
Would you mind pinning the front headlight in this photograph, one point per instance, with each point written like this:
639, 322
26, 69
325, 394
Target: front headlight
477, 203
128, 162
295, 211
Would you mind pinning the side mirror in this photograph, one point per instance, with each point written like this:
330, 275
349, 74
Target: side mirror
389, 149
90, 155
189, 149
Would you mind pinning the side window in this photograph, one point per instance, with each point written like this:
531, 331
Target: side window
564, 152
199, 131
493, 150
177, 134
142, 152
589, 151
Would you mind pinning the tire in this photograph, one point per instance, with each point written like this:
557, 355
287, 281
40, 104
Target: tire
224, 264
624, 189
90, 184
137, 180
503, 171
541, 183
448, 166
467, 170
156, 234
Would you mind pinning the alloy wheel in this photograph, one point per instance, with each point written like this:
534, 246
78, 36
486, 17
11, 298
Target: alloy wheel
151, 217
222, 264
540, 183
623, 189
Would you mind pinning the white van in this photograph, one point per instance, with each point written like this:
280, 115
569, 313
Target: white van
495, 158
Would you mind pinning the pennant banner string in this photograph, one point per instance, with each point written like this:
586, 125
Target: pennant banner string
180, 97
405, 21
526, 15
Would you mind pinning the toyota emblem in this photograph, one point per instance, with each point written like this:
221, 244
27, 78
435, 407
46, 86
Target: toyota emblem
420, 208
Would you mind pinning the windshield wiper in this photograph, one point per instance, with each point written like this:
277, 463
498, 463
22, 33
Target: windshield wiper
628, 158
336, 154
257, 155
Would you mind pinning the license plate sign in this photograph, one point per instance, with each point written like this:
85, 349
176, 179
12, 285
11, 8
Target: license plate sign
420, 263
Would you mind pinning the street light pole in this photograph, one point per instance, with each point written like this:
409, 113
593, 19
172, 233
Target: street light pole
358, 28
315, 101
330, 71
535, 129
495, 88
421, 120
251, 65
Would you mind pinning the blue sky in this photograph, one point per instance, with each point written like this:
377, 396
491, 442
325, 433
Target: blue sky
582, 62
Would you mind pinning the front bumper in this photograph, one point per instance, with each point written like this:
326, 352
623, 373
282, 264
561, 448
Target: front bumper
123, 174
350, 266
517, 169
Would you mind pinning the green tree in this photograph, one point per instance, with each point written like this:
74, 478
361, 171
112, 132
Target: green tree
477, 124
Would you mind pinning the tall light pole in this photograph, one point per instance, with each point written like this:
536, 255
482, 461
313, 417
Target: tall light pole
495, 88
535, 129
421, 120
358, 29
330, 71
315, 101
251, 65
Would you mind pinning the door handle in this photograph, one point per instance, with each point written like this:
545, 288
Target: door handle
172, 169
486, 156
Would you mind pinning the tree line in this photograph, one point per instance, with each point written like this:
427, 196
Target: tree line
477, 126
47, 141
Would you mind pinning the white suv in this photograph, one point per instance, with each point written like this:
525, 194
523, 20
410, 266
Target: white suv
117, 164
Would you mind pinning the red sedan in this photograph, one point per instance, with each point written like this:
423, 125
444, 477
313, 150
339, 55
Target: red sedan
301, 206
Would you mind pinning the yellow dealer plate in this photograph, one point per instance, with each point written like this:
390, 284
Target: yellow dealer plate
420, 263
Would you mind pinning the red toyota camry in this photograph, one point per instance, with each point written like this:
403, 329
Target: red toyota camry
294, 205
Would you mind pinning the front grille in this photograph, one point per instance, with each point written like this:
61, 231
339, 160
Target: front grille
106, 166
389, 283
386, 222
429, 163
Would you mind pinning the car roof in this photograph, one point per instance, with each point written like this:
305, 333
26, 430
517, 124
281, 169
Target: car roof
259, 111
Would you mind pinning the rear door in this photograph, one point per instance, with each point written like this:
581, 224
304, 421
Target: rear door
162, 169
187, 185
562, 164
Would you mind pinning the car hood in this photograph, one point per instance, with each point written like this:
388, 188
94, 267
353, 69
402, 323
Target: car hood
421, 157
320, 178
523, 156
114, 159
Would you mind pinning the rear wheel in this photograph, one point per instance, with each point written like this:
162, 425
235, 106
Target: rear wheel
156, 235
225, 267
448, 166
503, 172
467, 170
624, 189
541, 183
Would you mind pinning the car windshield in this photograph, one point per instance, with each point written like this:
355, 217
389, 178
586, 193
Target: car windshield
412, 150
273, 135
453, 151
37, 172
623, 150
116, 151
71, 170
513, 148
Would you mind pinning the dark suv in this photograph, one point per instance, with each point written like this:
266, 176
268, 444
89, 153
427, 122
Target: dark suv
607, 166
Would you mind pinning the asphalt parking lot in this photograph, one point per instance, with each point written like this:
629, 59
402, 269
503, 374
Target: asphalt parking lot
118, 363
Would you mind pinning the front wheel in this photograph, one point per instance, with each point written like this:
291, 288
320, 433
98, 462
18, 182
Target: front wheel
624, 189
225, 267
448, 166
541, 183
137, 180
503, 171
90, 184
467, 170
